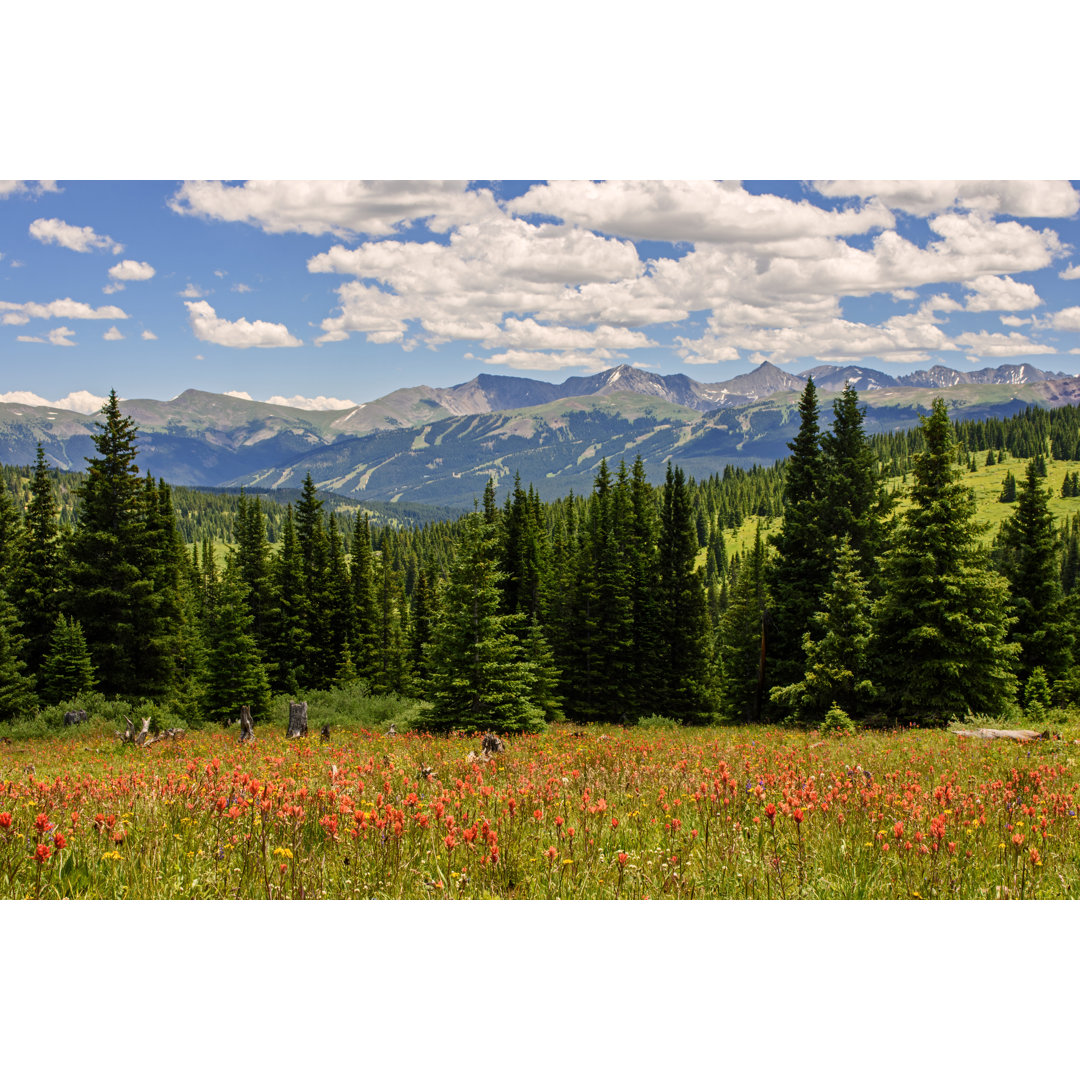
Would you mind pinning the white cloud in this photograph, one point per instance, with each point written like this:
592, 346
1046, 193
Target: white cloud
149, 335
1071, 273
341, 208
79, 238
59, 336
523, 360
992, 293
20, 314
80, 401
240, 287
1014, 320
315, 404
32, 188
1020, 198
220, 273
240, 334
131, 270
692, 210
1067, 319
986, 344
192, 292
242, 394
112, 334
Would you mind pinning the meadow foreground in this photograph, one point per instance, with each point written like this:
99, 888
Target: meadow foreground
597, 813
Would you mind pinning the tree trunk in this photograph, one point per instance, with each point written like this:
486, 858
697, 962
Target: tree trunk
297, 720
247, 732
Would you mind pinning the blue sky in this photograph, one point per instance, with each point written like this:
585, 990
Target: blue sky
324, 293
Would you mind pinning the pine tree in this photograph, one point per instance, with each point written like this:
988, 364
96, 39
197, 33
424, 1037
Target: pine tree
16, 687
365, 635
1031, 544
836, 648
852, 499
111, 592
799, 572
288, 650
36, 582
684, 618
1008, 489
480, 679
742, 639
11, 532
66, 671
234, 674
253, 562
940, 628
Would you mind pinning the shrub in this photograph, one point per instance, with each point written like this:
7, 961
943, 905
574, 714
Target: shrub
837, 722
656, 722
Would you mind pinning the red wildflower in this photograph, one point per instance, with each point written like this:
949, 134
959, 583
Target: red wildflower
5, 820
59, 841
770, 812
622, 858
552, 854
42, 823
798, 815
898, 829
42, 854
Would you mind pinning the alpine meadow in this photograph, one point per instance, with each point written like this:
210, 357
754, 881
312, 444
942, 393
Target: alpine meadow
809, 631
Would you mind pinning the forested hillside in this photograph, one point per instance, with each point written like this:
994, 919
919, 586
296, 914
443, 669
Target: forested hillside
851, 580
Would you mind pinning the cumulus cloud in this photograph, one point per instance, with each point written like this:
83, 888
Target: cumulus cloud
192, 292
80, 401
24, 187
1019, 198
60, 336
79, 238
131, 270
769, 272
19, 314
1014, 320
986, 344
991, 293
524, 360
692, 210
240, 334
240, 287
1070, 273
242, 394
1067, 319
149, 335
112, 334
314, 404
342, 208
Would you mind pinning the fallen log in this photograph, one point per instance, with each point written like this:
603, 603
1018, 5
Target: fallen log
1016, 734
142, 737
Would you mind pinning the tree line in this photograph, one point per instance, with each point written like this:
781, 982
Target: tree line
606, 607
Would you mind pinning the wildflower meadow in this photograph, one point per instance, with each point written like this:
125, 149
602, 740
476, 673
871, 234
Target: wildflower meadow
612, 813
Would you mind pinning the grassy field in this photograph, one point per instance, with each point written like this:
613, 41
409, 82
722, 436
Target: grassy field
986, 483
594, 814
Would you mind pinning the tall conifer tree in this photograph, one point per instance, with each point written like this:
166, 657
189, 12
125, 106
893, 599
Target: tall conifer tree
940, 627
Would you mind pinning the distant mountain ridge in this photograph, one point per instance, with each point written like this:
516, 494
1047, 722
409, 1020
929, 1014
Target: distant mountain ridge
436, 445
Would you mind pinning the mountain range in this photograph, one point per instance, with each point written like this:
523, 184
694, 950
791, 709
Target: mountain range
439, 445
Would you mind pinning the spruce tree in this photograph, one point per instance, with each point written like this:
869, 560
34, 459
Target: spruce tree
940, 628
66, 671
686, 633
365, 625
742, 638
836, 649
37, 580
111, 592
1031, 565
479, 676
234, 673
852, 500
287, 653
800, 569
16, 687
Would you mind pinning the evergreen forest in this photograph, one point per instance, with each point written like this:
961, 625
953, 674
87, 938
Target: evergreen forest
849, 584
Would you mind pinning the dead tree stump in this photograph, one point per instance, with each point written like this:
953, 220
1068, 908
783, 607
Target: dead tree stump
75, 716
325, 733
247, 725
492, 745
297, 720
